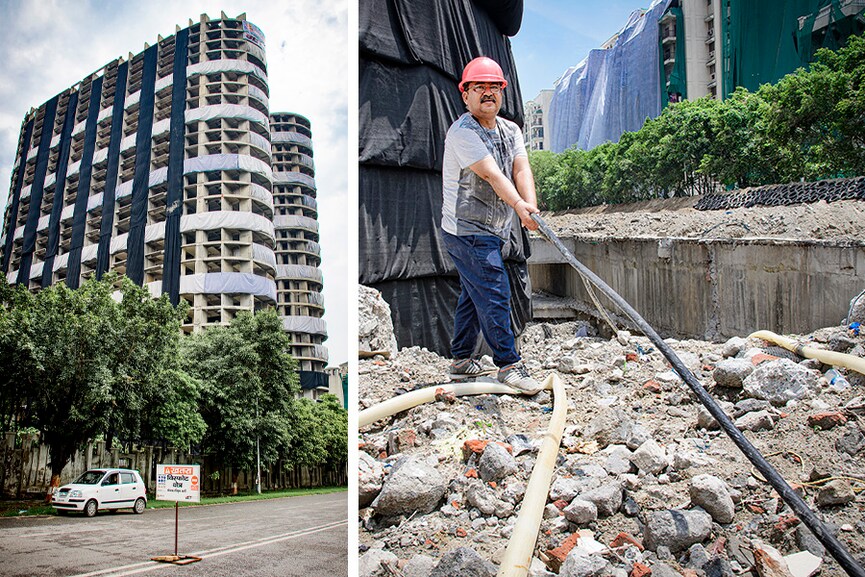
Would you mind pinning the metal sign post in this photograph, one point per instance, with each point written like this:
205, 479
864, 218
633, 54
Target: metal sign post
178, 483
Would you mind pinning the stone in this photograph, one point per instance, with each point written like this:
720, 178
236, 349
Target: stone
711, 493
482, 497
519, 444
568, 365
538, 569
375, 326
463, 561
750, 406
803, 564
780, 381
412, 485
650, 457
370, 478
372, 563
837, 492
551, 511
697, 556
664, 570
705, 420
581, 564
718, 567
759, 421
496, 463
733, 346
825, 420
851, 440
607, 498
419, 566
619, 460
805, 539
731, 372
630, 508
565, 488
581, 512
677, 529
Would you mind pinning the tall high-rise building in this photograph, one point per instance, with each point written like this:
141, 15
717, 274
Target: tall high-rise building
167, 167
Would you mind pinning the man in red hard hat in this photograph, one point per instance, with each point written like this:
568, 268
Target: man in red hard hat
486, 180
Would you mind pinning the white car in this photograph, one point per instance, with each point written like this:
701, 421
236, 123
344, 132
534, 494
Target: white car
101, 489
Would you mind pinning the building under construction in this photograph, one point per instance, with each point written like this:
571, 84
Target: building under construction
168, 167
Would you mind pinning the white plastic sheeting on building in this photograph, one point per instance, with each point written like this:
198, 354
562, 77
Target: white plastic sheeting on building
228, 283
298, 324
264, 254
293, 271
291, 177
292, 137
294, 221
612, 91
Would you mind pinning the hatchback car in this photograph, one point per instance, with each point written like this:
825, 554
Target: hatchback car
102, 489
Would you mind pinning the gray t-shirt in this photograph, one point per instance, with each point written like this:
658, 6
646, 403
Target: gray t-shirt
469, 203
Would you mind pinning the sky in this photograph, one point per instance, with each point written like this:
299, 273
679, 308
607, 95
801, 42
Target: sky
49, 45
558, 34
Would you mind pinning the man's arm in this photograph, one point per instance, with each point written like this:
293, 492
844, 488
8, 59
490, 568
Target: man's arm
522, 197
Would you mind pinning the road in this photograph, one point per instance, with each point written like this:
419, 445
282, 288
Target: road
298, 536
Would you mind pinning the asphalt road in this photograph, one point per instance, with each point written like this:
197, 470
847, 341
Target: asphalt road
297, 536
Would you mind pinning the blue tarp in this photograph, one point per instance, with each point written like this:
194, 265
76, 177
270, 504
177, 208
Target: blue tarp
610, 91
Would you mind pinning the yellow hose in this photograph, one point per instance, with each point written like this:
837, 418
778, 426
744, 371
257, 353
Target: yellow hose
827, 357
521, 546
428, 394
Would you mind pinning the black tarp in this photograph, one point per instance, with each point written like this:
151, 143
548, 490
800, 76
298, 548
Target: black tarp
37, 189
106, 227
16, 195
411, 59
79, 214
64, 146
313, 380
141, 177
176, 148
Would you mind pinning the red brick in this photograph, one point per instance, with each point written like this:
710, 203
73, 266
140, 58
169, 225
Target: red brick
626, 539
640, 570
652, 386
632, 357
762, 358
461, 532
472, 473
826, 420
560, 504
557, 556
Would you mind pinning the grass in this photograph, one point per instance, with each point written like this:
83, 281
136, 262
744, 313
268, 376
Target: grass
21, 508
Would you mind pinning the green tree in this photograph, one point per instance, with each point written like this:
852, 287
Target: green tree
248, 383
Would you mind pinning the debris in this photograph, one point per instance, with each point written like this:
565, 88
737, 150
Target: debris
463, 561
826, 420
677, 529
780, 381
837, 492
419, 566
650, 457
496, 463
732, 372
803, 564
375, 563
581, 512
412, 485
370, 476
711, 493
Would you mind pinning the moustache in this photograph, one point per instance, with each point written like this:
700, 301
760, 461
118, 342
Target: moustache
488, 98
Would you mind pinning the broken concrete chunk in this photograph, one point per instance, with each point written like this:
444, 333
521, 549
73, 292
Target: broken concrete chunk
607, 498
496, 463
705, 420
581, 564
565, 488
463, 561
419, 566
619, 461
711, 493
731, 372
803, 564
780, 381
479, 495
851, 441
650, 457
375, 563
375, 326
759, 421
413, 485
677, 529
837, 492
581, 512
370, 476
734, 346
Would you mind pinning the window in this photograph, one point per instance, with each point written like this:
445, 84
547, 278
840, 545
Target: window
127, 478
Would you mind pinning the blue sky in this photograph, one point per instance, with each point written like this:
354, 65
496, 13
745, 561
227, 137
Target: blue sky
49, 45
557, 34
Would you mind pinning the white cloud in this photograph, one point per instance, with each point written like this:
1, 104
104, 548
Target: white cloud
48, 46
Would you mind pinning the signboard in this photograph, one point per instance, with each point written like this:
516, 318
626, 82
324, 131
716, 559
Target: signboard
253, 33
178, 483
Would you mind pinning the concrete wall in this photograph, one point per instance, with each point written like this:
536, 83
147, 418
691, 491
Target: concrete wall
714, 289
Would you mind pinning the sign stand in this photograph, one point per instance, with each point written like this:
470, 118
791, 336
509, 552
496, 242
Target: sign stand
176, 483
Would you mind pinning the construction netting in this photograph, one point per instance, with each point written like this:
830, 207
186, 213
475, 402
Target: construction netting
610, 92
411, 59
763, 41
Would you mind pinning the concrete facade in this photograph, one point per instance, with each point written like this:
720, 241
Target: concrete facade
167, 167
713, 289
536, 128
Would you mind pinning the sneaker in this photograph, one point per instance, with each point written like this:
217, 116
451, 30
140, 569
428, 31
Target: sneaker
468, 368
518, 377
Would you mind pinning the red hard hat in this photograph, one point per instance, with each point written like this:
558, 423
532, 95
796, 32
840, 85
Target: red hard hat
482, 69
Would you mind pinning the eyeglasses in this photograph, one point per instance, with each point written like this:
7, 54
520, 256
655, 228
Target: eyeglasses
481, 88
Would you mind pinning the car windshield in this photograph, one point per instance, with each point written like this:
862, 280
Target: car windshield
90, 478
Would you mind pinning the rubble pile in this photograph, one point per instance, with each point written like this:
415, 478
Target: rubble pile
645, 483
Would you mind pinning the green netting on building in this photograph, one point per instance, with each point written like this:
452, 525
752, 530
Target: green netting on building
674, 82
763, 41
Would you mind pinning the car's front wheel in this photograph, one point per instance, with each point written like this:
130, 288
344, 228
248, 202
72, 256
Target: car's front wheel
90, 508
140, 504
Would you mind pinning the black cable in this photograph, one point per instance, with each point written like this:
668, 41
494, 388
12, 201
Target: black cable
805, 514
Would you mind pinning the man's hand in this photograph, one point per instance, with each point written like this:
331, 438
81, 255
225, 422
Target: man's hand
524, 211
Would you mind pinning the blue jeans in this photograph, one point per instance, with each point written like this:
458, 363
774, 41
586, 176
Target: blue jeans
485, 297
